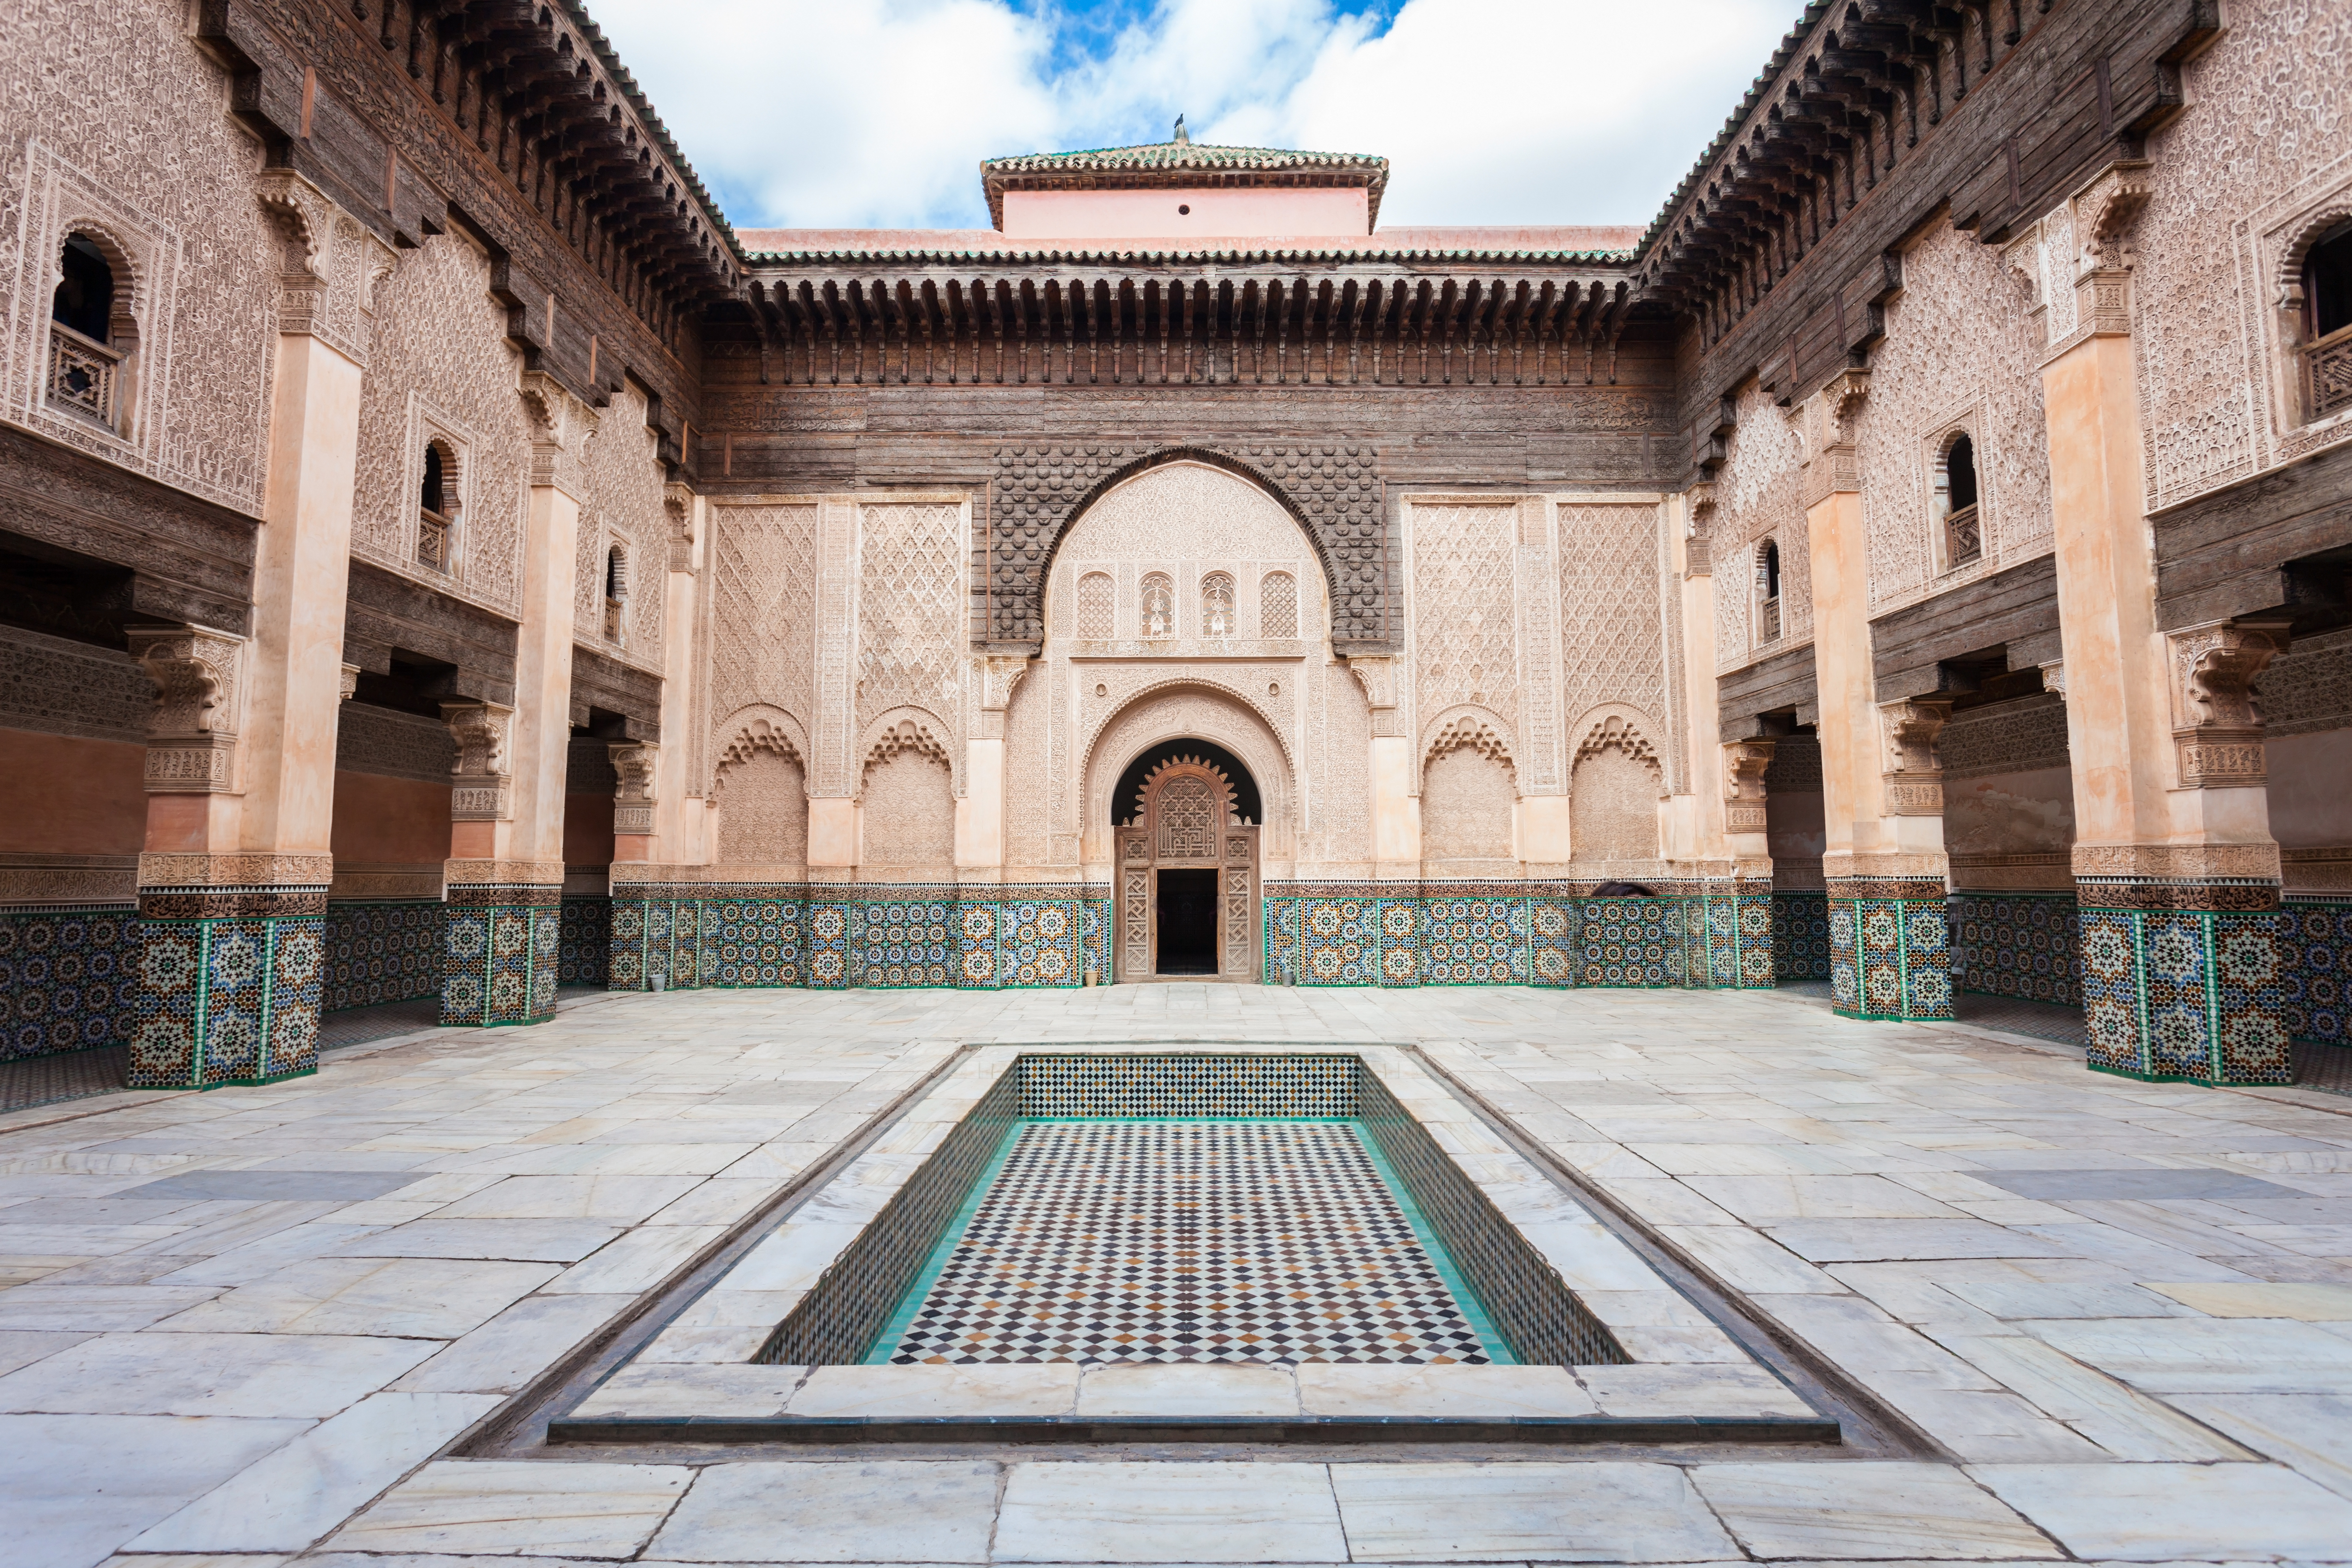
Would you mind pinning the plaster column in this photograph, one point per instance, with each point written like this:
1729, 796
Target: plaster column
979, 815
1396, 810
1883, 857
505, 872
241, 769
2176, 874
1725, 828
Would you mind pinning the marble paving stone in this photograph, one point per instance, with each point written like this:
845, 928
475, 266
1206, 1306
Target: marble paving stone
517, 1345
211, 1374
257, 1186
2308, 1303
833, 1511
306, 1488
51, 1516
2126, 1422
638, 1261
1756, 1199
723, 1200
661, 1390
512, 1240
1048, 1388
1169, 1512
1689, 1391
243, 1263
96, 1308
1873, 1240
2070, 1186
2202, 1355
1589, 1513
2307, 1431
1864, 1510
435, 1297
1187, 1388
791, 1260
504, 1507
625, 1199
2146, 1514
704, 1345
1747, 1262
1453, 1392
23, 1348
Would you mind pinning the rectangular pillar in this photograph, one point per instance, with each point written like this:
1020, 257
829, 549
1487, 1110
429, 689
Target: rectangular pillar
1883, 859
240, 769
2176, 874
503, 919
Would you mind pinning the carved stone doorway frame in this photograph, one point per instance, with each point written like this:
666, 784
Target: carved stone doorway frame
1185, 821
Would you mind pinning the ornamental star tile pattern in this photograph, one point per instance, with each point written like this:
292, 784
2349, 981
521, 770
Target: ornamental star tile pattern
1188, 1241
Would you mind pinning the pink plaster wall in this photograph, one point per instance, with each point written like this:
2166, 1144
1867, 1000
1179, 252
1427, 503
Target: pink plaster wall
63, 796
381, 821
1152, 215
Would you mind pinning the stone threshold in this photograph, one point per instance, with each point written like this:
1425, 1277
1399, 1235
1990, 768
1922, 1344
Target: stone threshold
1338, 1431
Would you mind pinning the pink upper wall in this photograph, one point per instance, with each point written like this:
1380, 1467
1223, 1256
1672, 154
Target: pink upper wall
865, 241
1155, 214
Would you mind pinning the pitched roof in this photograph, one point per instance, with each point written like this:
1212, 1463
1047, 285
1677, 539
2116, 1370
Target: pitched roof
1180, 163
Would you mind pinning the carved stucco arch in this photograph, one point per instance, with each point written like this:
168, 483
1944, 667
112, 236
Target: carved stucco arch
124, 255
1466, 724
757, 727
2287, 277
908, 728
1190, 708
1041, 498
1626, 727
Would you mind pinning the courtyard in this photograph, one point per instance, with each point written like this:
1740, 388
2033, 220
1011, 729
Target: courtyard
2059, 1315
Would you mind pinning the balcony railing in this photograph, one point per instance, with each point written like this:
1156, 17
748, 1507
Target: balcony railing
2327, 374
1963, 541
84, 374
615, 622
432, 540
1772, 619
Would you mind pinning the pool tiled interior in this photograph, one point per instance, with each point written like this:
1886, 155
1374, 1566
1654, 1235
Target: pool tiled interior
1194, 1240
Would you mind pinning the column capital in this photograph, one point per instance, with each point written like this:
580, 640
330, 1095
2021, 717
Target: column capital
678, 506
199, 701
561, 425
481, 778
1913, 772
632, 802
1745, 762
1381, 676
328, 264
2217, 724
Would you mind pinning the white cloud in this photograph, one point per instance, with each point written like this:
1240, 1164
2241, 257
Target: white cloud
854, 113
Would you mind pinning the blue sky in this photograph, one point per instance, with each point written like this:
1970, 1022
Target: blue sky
874, 113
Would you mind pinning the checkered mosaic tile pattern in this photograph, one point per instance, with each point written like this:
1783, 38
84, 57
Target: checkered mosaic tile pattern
1180, 1241
1121, 1084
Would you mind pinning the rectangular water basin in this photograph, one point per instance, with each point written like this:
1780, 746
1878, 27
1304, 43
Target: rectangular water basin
1097, 1244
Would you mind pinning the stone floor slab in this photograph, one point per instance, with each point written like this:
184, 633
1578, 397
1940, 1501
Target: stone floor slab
1863, 1510
835, 1512
2146, 1514
1169, 1512
503, 1508
1593, 1512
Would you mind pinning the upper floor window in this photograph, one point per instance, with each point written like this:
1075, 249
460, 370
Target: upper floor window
85, 360
616, 594
1768, 588
436, 507
1094, 606
1158, 607
2327, 322
1217, 616
1956, 501
1277, 605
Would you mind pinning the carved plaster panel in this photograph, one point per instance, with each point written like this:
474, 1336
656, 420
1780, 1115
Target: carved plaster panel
1613, 594
2217, 724
481, 779
1758, 488
633, 801
199, 706
621, 503
1459, 600
1912, 773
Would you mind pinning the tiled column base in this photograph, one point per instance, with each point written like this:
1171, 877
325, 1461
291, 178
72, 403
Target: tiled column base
2197, 993
1890, 949
500, 947
657, 937
227, 985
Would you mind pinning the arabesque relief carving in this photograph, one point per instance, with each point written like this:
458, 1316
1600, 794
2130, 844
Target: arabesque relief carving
2217, 723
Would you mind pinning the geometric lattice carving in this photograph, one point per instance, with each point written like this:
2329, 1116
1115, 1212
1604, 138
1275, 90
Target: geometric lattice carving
1277, 605
763, 559
910, 609
1612, 639
1465, 636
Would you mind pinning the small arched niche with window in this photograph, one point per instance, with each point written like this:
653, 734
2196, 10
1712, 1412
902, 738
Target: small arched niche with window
2327, 327
1960, 539
91, 332
1768, 591
616, 595
1218, 616
1158, 607
437, 506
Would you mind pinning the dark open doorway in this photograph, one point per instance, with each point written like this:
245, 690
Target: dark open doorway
1188, 923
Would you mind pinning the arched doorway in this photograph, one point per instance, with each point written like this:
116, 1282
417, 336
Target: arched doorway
1188, 871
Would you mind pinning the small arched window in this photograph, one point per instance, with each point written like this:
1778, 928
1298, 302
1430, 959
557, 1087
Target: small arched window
1217, 616
436, 507
616, 595
1158, 619
1768, 588
85, 360
2327, 322
1094, 608
1956, 501
1277, 605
